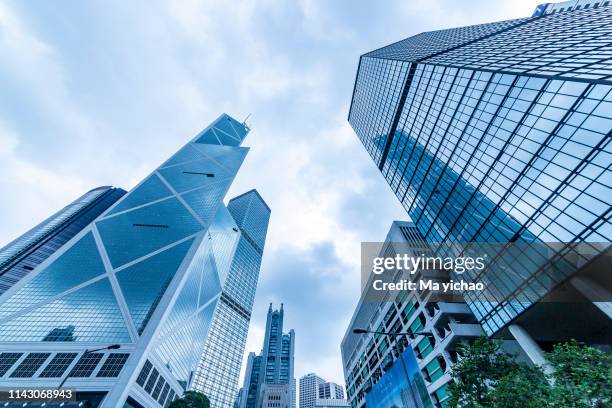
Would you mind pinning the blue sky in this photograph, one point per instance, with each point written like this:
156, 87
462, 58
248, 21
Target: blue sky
101, 92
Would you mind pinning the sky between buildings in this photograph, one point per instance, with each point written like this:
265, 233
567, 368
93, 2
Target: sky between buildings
101, 92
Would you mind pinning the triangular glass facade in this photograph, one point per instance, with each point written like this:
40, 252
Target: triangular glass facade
134, 234
151, 189
186, 154
230, 158
144, 283
74, 267
90, 314
150, 272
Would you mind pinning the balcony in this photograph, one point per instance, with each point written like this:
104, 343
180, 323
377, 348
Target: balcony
455, 309
367, 386
466, 329
451, 313
451, 335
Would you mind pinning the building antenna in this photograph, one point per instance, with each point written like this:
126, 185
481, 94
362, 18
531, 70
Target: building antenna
245, 119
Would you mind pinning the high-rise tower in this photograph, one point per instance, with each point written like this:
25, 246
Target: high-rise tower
21, 256
219, 369
269, 377
145, 277
501, 133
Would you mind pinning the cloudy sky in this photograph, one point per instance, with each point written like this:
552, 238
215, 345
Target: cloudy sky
101, 92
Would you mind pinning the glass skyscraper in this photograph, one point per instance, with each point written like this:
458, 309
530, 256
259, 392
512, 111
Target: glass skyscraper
269, 378
22, 255
501, 133
219, 369
146, 276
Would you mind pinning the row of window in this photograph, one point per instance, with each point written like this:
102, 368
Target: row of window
452, 180
566, 44
155, 385
33, 363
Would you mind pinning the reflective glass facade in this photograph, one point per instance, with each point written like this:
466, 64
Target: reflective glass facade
147, 275
25, 253
219, 368
498, 133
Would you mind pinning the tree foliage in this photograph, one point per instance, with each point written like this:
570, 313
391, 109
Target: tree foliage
191, 399
582, 377
486, 377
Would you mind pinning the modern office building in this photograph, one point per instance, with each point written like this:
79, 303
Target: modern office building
219, 369
270, 374
331, 390
501, 133
441, 326
309, 389
316, 392
122, 312
330, 394
21, 256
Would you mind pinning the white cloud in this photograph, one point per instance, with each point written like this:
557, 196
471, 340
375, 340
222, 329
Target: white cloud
35, 192
33, 64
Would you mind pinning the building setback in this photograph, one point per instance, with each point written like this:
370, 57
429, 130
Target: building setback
21, 256
144, 278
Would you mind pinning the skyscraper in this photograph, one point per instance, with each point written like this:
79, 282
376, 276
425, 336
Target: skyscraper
22, 255
219, 369
309, 390
501, 133
269, 378
145, 277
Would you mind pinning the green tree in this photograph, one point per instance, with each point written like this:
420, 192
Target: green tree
582, 376
523, 386
485, 369
191, 399
486, 377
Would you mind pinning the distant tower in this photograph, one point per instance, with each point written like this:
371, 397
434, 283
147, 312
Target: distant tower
309, 390
330, 390
269, 376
